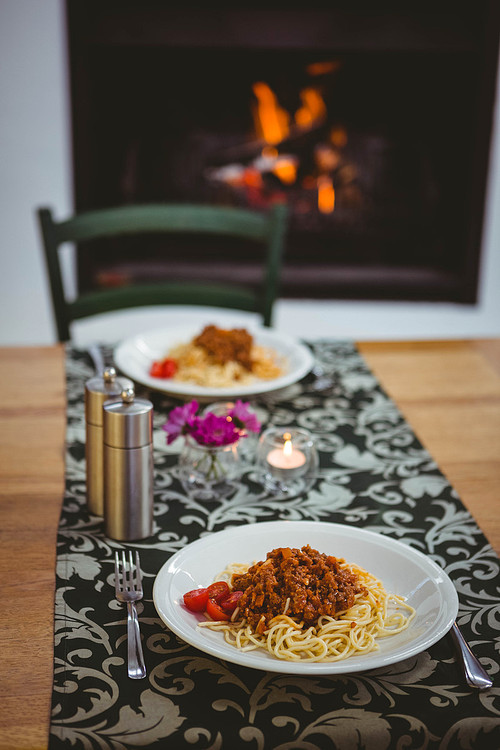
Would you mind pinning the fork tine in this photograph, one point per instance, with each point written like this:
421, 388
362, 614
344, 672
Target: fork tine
131, 570
126, 586
138, 574
117, 576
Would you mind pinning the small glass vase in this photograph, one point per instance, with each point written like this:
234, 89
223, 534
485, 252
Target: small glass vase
208, 472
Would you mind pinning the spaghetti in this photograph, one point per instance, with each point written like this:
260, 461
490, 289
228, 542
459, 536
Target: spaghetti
296, 633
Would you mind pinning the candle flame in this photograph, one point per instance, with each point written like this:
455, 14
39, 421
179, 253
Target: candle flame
287, 446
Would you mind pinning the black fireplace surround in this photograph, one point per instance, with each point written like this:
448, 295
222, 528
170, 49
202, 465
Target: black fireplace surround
382, 159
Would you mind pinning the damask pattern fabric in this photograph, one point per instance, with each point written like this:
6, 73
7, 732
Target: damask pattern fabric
374, 474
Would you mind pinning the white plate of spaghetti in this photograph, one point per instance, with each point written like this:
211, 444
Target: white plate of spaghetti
269, 361
419, 591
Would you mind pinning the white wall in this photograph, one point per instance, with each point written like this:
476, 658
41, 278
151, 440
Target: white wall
34, 158
35, 170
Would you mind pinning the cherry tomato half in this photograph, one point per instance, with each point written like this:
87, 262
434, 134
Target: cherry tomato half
218, 591
169, 367
231, 602
196, 600
163, 368
215, 611
156, 370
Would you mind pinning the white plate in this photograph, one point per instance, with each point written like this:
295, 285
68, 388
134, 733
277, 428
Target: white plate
402, 570
135, 355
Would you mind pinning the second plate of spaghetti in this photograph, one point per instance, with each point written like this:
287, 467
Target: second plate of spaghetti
403, 571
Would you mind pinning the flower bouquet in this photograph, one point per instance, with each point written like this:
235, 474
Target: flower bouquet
209, 461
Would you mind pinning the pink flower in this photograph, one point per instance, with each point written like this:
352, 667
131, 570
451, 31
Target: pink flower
212, 430
181, 421
243, 418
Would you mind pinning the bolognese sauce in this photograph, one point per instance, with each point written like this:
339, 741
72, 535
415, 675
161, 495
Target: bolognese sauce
303, 583
233, 345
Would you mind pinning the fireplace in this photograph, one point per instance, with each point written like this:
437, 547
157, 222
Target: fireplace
373, 126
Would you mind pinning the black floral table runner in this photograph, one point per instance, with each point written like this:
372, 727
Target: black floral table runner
374, 474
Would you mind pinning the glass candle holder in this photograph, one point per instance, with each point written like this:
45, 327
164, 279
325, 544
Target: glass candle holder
287, 460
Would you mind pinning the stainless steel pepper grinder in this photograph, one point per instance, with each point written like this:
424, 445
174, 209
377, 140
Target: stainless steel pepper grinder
98, 389
128, 467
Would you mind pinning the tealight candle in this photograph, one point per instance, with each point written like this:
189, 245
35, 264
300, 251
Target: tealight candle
287, 457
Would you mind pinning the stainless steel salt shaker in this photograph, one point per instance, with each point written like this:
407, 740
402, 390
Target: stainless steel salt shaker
98, 389
128, 467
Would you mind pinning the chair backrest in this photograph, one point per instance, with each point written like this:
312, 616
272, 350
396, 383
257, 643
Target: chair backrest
267, 229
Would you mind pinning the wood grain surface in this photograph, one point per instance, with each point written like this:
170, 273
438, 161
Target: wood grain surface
449, 392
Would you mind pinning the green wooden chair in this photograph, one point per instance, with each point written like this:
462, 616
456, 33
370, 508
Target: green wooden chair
268, 229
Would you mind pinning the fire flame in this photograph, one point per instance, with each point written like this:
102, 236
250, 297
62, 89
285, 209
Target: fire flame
313, 108
274, 125
323, 68
271, 121
285, 168
326, 195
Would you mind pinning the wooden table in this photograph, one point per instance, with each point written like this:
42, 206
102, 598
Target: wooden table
448, 391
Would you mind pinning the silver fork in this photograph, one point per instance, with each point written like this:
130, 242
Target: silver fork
128, 589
